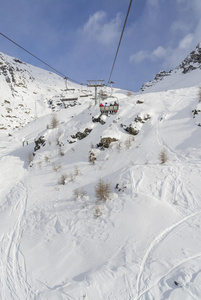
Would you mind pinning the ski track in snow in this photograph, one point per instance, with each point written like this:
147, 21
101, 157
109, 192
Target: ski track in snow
158, 239
13, 275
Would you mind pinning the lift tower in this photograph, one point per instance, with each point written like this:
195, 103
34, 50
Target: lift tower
96, 84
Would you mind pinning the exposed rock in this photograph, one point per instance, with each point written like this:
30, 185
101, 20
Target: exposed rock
131, 130
81, 135
195, 112
98, 120
39, 142
105, 142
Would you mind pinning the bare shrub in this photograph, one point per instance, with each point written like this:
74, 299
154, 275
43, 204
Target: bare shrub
102, 190
47, 159
92, 157
199, 94
72, 177
56, 167
79, 193
63, 179
54, 121
97, 212
163, 156
76, 194
30, 158
76, 171
129, 93
119, 146
129, 141
61, 152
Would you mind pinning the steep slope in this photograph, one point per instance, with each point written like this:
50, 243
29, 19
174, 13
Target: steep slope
26, 92
59, 242
187, 74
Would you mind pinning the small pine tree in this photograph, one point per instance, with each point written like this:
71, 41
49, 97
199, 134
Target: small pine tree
63, 179
97, 212
163, 156
199, 95
30, 158
92, 157
54, 121
102, 190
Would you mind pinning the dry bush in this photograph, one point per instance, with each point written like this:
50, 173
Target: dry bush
129, 141
79, 193
30, 158
76, 171
92, 157
54, 121
199, 94
119, 146
76, 194
163, 156
129, 93
63, 179
72, 177
56, 167
61, 152
102, 190
47, 159
97, 212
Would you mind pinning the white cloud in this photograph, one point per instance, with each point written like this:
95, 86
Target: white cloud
186, 42
180, 27
159, 52
139, 56
99, 29
156, 54
153, 3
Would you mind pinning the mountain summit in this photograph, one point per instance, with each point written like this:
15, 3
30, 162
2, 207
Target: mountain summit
187, 74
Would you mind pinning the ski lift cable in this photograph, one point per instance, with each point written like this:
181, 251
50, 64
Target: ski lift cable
120, 40
58, 72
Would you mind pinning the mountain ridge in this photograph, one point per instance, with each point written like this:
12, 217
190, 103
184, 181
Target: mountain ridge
165, 79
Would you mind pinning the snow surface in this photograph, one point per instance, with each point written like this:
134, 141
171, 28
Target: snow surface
146, 242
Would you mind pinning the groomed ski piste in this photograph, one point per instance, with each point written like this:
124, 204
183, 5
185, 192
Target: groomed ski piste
144, 242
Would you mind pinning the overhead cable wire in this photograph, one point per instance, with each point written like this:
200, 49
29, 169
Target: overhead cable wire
120, 40
58, 72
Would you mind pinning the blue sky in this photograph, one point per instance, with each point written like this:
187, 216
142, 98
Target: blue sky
80, 37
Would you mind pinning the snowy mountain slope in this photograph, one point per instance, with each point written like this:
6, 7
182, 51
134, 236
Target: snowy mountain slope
187, 74
25, 92
57, 240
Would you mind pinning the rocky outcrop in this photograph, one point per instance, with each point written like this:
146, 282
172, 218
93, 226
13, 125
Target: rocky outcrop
81, 135
105, 142
189, 64
192, 61
98, 120
39, 142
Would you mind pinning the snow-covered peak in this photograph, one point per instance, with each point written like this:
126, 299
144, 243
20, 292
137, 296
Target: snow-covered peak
187, 74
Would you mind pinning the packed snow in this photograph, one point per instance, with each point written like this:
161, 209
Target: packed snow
58, 241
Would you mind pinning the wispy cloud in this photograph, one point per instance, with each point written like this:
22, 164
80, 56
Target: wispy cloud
139, 57
158, 53
98, 28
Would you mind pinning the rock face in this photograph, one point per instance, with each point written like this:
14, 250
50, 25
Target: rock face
192, 61
105, 142
189, 64
39, 142
26, 91
81, 135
